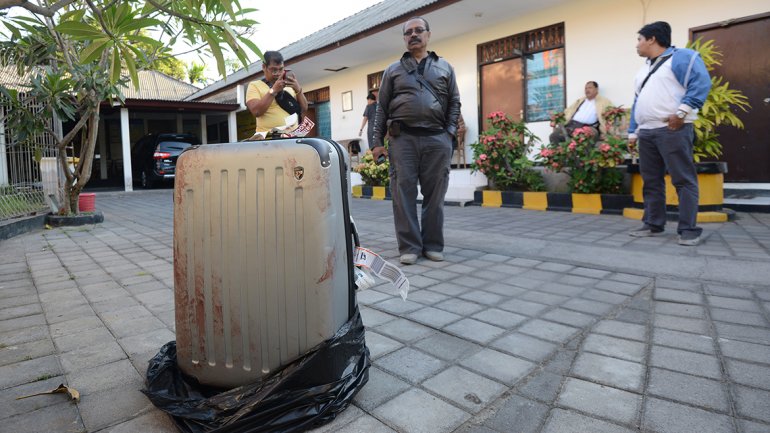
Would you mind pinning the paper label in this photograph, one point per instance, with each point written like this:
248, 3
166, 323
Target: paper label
382, 269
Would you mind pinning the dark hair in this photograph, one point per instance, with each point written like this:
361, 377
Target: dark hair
273, 57
427, 26
371, 96
594, 83
660, 30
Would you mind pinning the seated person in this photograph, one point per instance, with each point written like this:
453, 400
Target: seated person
275, 97
585, 111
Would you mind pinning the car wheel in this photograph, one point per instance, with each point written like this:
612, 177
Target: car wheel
147, 183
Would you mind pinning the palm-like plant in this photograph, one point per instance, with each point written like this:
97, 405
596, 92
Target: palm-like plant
719, 105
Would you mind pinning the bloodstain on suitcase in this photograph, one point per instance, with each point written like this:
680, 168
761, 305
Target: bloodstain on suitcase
262, 255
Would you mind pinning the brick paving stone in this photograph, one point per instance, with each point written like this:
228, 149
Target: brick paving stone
520, 306
739, 317
633, 316
622, 329
525, 346
518, 414
750, 334
667, 417
752, 403
482, 297
505, 269
616, 347
379, 344
372, 317
549, 330
755, 375
381, 387
587, 306
686, 362
421, 281
683, 310
404, 330
419, 412
397, 306
146, 342
154, 421
102, 410
564, 421
367, 297
733, 303
503, 289
543, 298
91, 356
683, 340
602, 401
677, 296
465, 388
746, 351
447, 347
474, 330
678, 284
365, 423
684, 324
728, 291
458, 306
20, 311
698, 391
29, 370
604, 296
26, 351
543, 387
610, 371
434, 317
62, 417
500, 318
498, 366
411, 364
568, 317
628, 289
426, 296
561, 289
450, 289
753, 427
10, 406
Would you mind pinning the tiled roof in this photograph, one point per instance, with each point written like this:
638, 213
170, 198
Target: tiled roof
153, 85
347, 27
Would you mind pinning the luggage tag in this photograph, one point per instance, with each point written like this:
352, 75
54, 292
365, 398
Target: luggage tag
382, 269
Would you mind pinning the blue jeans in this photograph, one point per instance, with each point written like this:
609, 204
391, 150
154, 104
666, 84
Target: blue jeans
661, 149
423, 159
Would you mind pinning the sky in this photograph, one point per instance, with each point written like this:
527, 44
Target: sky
284, 22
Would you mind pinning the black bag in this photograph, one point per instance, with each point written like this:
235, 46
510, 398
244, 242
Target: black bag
287, 102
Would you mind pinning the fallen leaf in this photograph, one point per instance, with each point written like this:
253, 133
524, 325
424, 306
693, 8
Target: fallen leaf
62, 389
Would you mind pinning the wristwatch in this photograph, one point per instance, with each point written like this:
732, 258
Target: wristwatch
681, 114
271, 91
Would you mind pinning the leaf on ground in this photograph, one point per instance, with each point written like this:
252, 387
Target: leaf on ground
61, 389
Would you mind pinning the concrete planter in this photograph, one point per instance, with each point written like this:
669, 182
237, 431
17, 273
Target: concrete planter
710, 198
74, 220
371, 192
554, 201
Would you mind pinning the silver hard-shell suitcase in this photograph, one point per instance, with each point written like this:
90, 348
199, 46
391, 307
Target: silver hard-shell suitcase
262, 255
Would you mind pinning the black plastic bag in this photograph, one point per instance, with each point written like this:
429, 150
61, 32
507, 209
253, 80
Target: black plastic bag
305, 394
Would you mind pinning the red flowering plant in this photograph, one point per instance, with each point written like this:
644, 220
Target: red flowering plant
558, 118
591, 163
501, 154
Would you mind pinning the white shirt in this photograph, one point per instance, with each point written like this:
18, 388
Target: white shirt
587, 112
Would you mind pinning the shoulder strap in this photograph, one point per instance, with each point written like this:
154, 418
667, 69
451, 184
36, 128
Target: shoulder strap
427, 85
654, 68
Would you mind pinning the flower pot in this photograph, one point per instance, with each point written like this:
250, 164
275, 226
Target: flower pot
87, 202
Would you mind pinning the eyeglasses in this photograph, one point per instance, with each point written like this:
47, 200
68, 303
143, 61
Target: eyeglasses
276, 70
416, 30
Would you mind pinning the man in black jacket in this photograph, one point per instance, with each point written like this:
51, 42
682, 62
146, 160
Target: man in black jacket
419, 105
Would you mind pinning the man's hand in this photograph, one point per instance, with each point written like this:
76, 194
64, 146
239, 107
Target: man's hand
631, 141
674, 122
379, 151
291, 81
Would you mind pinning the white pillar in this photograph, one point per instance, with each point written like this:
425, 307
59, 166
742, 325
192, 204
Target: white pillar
125, 143
102, 139
179, 123
204, 130
232, 127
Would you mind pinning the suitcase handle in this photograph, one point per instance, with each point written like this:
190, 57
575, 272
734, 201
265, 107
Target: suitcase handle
323, 149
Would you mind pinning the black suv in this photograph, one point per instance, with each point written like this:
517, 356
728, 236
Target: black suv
154, 156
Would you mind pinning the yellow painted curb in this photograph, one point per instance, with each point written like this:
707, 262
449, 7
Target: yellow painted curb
703, 217
378, 193
358, 191
710, 189
587, 203
491, 198
535, 201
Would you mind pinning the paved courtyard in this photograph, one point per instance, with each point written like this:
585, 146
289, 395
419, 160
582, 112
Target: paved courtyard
536, 322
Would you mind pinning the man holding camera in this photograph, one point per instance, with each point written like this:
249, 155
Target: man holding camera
276, 96
418, 108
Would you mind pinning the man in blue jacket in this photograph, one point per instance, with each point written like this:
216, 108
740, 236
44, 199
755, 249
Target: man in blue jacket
670, 89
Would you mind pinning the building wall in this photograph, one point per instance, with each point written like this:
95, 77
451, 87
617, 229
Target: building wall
600, 40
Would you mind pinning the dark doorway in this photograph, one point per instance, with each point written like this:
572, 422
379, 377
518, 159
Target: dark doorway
745, 44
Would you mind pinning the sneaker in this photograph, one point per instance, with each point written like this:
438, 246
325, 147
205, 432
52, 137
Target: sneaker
408, 259
434, 255
646, 231
689, 239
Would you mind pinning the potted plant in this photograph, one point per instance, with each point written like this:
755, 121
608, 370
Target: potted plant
501, 154
719, 109
591, 163
376, 177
